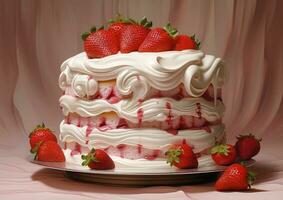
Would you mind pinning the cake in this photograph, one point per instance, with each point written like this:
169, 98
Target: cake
135, 105
137, 91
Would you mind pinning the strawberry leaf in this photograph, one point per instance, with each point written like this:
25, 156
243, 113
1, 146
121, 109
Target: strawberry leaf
85, 35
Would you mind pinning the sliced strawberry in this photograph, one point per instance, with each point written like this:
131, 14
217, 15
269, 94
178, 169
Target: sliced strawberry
105, 92
247, 146
223, 154
159, 39
101, 43
40, 134
183, 42
133, 35
181, 156
235, 178
49, 151
98, 159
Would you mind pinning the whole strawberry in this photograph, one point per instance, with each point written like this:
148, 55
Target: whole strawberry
98, 159
49, 151
118, 24
183, 42
100, 43
159, 39
40, 134
133, 35
182, 156
223, 154
235, 178
247, 146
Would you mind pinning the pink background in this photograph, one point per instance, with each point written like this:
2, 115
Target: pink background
36, 36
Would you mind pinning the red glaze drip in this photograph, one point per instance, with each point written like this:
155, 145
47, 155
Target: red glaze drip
76, 150
122, 123
140, 116
182, 123
140, 101
139, 147
65, 145
153, 156
121, 148
198, 110
79, 122
169, 116
88, 129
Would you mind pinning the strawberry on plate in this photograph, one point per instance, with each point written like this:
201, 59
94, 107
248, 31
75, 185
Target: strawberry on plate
133, 35
159, 39
181, 156
183, 42
247, 146
40, 134
223, 154
97, 159
100, 43
235, 178
49, 151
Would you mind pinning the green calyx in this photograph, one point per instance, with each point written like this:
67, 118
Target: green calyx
145, 23
221, 149
38, 127
251, 178
173, 155
170, 30
92, 30
194, 38
35, 149
121, 19
89, 158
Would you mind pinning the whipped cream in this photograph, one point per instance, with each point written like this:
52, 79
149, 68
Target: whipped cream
162, 70
154, 109
150, 138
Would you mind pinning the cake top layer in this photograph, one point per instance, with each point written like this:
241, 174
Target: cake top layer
161, 70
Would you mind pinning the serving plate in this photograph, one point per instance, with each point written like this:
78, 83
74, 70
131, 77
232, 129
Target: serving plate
137, 177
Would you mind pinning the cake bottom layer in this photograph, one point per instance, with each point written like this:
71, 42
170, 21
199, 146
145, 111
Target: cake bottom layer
141, 165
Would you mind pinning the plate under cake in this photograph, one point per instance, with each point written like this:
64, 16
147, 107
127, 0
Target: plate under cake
136, 105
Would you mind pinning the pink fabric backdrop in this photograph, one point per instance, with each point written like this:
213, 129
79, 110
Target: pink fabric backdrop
36, 36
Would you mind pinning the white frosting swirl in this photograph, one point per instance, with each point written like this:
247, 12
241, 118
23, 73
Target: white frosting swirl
154, 109
161, 70
150, 138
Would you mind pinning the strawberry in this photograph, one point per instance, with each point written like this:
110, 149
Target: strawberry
247, 146
49, 151
183, 42
182, 156
159, 39
235, 178
40, 134
223, 154
118, 24
133, 35
98, 159
100, 43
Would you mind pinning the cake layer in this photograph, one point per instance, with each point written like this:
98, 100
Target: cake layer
152, 138
135, 73
149, 110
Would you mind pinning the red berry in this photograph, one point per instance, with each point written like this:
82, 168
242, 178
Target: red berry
247, 146
183, 42
98, 159
182, 156
40, 134
100, 43
50, 151
223, 154
235, 178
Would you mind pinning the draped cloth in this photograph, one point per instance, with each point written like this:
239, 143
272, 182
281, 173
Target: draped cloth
36, 36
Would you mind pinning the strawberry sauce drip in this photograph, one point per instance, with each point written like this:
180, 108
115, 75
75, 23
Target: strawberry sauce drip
79, 122
76, 150
140, 102
140, 116
65, 145
139, 147
88, 130
173, 131
207, 129
121, 148
169, 116
68, 119
198, 109
153, 156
